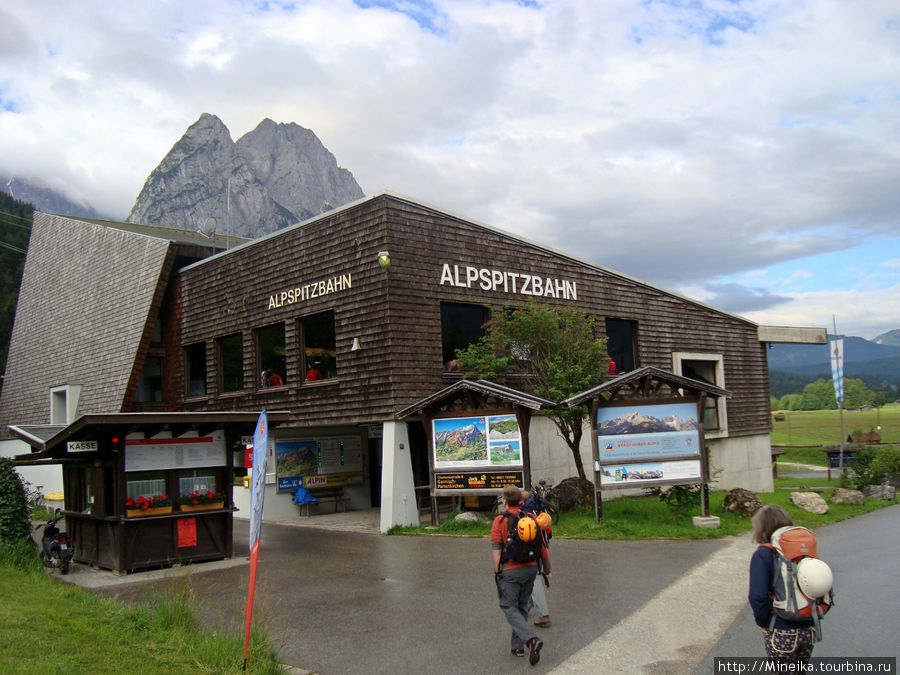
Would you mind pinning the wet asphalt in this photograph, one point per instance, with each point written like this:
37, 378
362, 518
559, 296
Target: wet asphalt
355, 602
337, 597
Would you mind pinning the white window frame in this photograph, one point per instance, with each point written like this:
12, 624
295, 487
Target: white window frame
64, 403
722, 411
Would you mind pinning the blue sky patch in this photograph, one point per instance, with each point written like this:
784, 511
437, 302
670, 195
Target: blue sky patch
424, 13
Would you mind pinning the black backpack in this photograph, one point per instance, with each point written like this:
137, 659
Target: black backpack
514, 549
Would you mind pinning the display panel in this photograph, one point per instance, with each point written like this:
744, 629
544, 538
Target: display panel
477, 441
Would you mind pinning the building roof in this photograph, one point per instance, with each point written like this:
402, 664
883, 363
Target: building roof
48, 441
473, 223
477, 391
645, 382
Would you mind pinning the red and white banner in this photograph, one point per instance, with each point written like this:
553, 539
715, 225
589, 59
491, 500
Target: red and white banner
257, 495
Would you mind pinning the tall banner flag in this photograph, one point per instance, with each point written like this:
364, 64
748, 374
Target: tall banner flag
837, 369
257, 495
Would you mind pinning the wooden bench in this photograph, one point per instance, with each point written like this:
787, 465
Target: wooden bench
327, 496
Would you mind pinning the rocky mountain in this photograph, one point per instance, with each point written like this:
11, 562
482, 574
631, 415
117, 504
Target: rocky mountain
639, 423
44, 198
460, 437
273, 176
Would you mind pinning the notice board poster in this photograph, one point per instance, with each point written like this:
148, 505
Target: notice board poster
644, 444
323, 462
186, 452
477, 441
449, 483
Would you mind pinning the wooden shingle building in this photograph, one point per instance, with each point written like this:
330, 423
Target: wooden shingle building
337, 323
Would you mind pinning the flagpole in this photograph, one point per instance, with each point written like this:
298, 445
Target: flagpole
840, 402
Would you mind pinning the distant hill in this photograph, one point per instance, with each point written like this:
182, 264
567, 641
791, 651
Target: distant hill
792, 367
272, 177
892, 337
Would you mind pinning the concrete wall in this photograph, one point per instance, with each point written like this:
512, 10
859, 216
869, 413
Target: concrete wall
49, 477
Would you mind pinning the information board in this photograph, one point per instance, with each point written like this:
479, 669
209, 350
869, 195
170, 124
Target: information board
329, 461
154, 454
645, 444
484, 480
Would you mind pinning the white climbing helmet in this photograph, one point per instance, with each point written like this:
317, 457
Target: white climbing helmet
814, 577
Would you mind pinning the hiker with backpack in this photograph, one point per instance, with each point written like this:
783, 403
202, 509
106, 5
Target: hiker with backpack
790, 587
516, 547
534, 508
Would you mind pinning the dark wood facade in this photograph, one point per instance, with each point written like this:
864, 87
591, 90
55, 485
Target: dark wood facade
395, 312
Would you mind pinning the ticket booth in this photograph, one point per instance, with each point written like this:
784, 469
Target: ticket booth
146, 490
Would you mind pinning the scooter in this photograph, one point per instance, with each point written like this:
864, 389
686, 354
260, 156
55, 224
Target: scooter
56, 549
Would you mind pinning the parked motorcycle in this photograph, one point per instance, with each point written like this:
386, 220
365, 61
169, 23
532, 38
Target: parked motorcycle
56, 549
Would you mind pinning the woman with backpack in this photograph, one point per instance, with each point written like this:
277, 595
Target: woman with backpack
785, 641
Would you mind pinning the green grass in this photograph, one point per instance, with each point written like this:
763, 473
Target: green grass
823, 427
52, 627
648, 518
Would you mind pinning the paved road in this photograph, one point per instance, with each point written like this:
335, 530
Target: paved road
357, 602
864, 554
348, 602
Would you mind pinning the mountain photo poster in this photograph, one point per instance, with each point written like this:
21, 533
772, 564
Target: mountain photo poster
647, 432
477, 441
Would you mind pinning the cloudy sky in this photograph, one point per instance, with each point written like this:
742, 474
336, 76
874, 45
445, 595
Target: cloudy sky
746, 154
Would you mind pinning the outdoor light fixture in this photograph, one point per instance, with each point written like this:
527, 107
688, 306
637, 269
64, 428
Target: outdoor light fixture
355, 346
384, 258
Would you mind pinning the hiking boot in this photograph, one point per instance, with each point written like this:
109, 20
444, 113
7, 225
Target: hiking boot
534, 651
517, 652
543, 622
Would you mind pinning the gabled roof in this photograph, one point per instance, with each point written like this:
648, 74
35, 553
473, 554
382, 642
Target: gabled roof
388, 195
478, 391
646, 382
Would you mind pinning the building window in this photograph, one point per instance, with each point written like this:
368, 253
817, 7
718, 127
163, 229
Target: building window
231, 362
197, 480
270, 348
317, 339
621, 345
146, 484
461, 325
195, 359
149, 389
707, 368
64, 403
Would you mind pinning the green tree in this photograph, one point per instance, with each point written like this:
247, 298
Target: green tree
856, 393
554, 353
15, 229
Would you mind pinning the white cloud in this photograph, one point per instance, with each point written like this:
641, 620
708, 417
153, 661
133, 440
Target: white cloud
679, 143
863, 314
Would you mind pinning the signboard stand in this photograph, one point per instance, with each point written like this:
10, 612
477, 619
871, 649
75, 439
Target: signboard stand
478, 439
646, 431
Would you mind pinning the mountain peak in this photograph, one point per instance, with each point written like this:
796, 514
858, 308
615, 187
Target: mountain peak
273, 176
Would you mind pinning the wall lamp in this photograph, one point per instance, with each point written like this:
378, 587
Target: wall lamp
384, 258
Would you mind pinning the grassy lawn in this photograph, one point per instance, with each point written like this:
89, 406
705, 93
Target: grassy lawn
823, 427
648, 518
52, 627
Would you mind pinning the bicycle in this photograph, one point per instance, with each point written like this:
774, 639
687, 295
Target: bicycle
544, 501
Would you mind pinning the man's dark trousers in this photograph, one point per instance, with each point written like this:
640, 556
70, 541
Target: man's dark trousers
514, 588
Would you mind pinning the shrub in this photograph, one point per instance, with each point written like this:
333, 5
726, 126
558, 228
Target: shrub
872, 466
15, 525
681, 500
